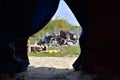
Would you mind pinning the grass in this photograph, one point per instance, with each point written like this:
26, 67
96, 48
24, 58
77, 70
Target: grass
68, 51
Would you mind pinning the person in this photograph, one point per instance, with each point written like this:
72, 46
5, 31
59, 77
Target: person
100, 37
44, 47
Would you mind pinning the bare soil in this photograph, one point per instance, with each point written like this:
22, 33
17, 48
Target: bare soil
52, 68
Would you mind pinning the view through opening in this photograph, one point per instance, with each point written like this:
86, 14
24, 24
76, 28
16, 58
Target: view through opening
54, 48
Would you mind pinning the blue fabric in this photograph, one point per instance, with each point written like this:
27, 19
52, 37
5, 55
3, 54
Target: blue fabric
13, 57
29, 17
20, 55
21, 19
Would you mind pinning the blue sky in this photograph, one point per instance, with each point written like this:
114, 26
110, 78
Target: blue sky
64, 12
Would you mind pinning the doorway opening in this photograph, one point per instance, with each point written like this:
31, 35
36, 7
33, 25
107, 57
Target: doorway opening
53, 49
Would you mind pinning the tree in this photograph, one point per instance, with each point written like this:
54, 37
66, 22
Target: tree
55, 26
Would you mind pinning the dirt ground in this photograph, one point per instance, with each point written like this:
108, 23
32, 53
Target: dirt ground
52, 68
60, 68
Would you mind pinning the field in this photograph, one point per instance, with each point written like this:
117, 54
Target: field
64, 51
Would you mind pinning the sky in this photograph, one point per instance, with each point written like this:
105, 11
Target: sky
64, 12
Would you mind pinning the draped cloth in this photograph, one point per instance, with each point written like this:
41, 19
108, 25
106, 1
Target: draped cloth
100, 38
23, 18
19, 19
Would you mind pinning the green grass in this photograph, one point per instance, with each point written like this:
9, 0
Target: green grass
68, 51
